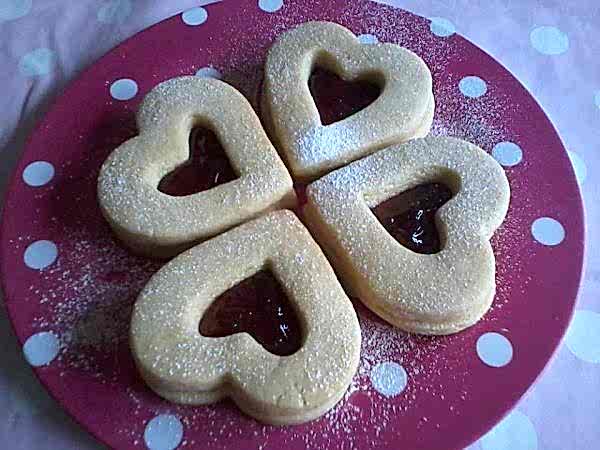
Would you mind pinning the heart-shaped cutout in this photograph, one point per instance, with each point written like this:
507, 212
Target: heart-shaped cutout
336, 98
155, 224
257, 305
403, 110
439, 293
208, 166
409, 217
182, 365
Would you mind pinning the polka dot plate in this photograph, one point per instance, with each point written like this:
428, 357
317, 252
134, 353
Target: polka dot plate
70, 287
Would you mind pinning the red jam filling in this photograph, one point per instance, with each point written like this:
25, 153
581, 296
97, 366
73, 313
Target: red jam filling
410, 216
259, 306
336, 98
207, 167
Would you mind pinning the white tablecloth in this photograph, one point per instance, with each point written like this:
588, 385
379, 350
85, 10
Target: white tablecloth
562, 410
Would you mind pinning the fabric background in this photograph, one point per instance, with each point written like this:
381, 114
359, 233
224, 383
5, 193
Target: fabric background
44, 44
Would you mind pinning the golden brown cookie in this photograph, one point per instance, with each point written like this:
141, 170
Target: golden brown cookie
184, 366
437, 293
404, 109
156, 224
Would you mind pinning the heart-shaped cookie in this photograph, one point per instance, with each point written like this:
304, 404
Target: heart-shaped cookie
156, 224
438, 293
403, 111
184, 366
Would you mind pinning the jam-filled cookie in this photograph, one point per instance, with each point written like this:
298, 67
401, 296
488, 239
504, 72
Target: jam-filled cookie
415, 284
154, 223
181, 364
403, 110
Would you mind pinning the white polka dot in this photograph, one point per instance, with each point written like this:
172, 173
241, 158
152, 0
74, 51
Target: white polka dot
209, 72
270, 5
583, 336
38, 173
389, 378
40, 254
515, 432
494, 349
195, 16
123, 89
507, 153
442, 27
472, 86
14, 9
547, 231
38, 62
549, 40
41, 348
114, 11
578, 166
597, 99
163, 432
368, 39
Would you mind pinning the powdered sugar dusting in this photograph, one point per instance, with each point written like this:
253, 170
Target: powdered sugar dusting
89, 303
362, 415
90, 309
85, 297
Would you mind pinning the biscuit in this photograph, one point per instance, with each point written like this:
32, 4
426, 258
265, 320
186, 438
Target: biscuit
182, 365
403, 110
438, 293
153, 223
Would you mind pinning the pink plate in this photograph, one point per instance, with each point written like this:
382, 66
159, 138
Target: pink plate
457, 387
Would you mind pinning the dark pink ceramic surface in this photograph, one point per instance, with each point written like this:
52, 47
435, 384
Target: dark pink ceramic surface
86, 295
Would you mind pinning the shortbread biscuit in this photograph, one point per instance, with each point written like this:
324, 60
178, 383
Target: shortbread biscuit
403, 110
184, 366
439, 293
156, 224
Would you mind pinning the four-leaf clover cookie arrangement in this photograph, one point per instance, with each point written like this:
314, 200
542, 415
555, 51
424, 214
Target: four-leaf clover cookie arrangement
399, 219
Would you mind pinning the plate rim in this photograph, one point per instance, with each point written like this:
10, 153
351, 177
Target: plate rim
72, 85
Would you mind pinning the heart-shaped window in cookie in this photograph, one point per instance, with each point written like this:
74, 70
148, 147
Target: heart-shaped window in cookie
260, 307
409, 217
337, 98
207, 167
